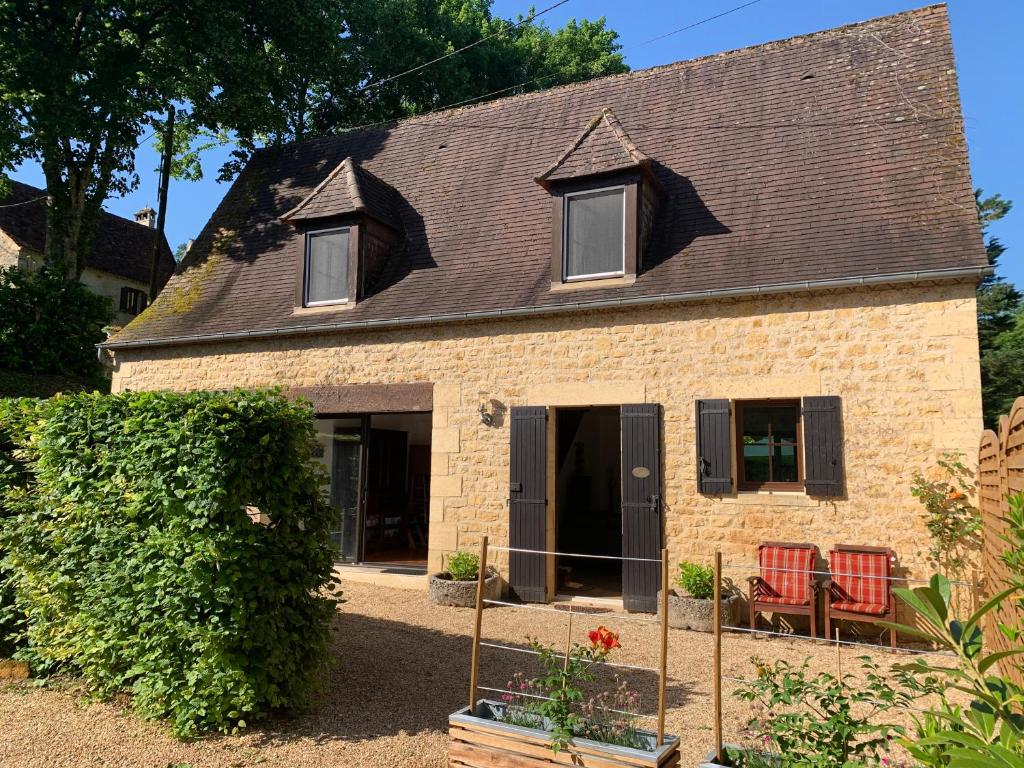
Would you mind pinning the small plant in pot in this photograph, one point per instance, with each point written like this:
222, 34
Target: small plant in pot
456, 585
690, 604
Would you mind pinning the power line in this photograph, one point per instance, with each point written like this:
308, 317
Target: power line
25, 202
698, 23
500, 32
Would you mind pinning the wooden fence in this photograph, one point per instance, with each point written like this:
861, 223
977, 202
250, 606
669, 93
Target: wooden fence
1000, 473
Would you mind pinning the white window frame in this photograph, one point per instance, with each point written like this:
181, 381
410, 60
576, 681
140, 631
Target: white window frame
565, 235
305, 267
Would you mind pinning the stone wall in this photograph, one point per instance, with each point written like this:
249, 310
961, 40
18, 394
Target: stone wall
903, 359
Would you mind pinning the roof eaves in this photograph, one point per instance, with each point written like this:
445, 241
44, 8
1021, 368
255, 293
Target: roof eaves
856, 281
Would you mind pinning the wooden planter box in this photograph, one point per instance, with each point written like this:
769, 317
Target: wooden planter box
479, 741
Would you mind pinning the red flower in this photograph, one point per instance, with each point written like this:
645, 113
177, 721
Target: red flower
604, 637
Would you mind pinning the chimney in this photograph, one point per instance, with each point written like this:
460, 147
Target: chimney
146, 217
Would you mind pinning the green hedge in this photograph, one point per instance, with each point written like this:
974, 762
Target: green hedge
131, 554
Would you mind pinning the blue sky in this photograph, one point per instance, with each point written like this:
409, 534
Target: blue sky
986, 37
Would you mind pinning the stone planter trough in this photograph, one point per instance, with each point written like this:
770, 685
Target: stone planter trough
480, 739
685, 612
444, 590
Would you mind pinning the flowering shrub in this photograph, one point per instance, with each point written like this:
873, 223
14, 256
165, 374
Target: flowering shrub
556, 702
953, 522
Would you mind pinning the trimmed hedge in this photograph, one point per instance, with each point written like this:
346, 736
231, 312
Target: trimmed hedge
132, 556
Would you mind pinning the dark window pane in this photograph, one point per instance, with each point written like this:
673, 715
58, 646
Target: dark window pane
755, 463
784, 423
755, 425
594, 236
784, 468
327, 267
769, 435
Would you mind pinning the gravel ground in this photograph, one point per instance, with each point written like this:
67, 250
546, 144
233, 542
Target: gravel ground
402, 667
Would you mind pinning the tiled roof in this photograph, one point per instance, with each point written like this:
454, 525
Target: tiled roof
830, 156
603, 147
347, 189
121, 247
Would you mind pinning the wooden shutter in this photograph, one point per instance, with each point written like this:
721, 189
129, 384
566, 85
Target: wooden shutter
528, 503
823, 446
641, 505
714, 447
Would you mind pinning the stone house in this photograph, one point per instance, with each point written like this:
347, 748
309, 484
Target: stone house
700, 306
119, 265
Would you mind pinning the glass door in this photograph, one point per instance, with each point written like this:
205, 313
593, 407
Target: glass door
347, 481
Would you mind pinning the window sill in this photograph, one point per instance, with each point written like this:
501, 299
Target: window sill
323, 309
597, 282
771, 499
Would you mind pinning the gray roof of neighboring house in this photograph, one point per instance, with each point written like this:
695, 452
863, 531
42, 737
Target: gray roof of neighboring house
831, 158
122, 247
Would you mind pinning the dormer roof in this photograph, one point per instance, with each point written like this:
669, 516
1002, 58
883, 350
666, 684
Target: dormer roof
347, 189
602, 147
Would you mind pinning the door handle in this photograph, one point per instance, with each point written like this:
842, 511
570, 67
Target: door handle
655, 502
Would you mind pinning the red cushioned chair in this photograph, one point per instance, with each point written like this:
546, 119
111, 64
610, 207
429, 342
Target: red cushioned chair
786, 583
860, 587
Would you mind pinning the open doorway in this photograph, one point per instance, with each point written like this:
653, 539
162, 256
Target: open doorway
379, 466
588, 500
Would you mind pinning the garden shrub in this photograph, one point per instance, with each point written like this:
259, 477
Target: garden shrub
463, 566
696, 580
132, 552
49, 325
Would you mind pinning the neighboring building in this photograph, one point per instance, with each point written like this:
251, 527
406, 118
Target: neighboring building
119, 264
702, 305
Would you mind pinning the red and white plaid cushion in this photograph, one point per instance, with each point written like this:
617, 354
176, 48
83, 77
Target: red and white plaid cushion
775, 600
870, 609
860, 580
786, 571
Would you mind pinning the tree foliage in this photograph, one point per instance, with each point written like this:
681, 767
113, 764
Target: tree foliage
82, 84
1000, 321
132, 550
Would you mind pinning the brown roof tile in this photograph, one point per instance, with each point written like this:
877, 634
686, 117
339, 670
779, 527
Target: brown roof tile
834, 155
122, 247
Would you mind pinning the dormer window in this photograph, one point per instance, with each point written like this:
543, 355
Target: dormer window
604, 195
346, 229
327, 267
594, 234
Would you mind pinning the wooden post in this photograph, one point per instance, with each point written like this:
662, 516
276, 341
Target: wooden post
663, 661
474, 663
717, 614
839, 658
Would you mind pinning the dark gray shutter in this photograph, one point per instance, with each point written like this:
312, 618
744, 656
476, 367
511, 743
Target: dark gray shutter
714, 447
641, 505
528, 503
823, 446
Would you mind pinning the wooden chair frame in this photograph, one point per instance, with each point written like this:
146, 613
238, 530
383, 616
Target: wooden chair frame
827, 585
755, 585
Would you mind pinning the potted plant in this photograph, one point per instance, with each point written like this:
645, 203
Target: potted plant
691, 608
457, 584
549, 720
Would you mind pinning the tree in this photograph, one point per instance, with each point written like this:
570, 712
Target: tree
1000, 321
386, 38
80, 83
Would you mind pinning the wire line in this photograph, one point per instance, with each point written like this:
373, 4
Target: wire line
698, 23
378, 83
